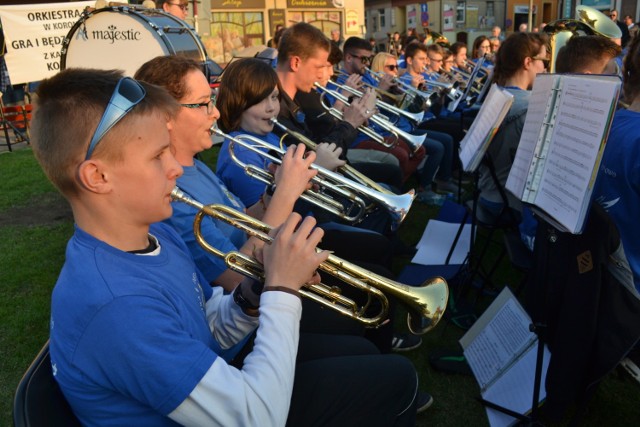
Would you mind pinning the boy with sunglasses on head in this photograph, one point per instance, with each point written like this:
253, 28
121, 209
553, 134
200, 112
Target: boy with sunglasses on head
133, 323
135, 326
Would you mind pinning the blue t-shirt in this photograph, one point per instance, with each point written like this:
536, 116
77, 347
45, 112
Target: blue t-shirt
617, 187
203, 185
104, 303
248, 189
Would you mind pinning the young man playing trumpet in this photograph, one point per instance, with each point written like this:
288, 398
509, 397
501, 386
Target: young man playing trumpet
134, 322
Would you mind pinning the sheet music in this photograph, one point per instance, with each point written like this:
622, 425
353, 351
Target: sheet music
578, 134
536, 112
514, 390
498, 341
437, 240
483, 129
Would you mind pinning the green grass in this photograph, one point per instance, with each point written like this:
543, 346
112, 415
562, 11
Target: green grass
31, 256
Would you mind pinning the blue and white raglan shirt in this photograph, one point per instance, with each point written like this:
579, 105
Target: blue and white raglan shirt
617, 187
248, 189
203, 185
133, 340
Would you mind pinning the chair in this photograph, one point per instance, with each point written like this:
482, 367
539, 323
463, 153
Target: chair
39, 400
16, 119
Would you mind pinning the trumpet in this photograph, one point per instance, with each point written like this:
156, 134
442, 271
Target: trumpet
415, 117
425, 304
410, 90
325, 180
414, 141
328, 181
398, 205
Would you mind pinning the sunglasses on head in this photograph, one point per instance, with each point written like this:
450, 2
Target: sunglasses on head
127, 94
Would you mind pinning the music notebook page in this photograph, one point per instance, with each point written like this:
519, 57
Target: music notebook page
531, 134
579, 134
483, 129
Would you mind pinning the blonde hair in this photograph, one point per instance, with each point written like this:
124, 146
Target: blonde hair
379, 60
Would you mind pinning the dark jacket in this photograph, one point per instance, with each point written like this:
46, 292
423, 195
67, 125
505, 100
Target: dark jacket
584, 286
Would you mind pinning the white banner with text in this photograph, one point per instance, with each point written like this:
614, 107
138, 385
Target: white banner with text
33, 36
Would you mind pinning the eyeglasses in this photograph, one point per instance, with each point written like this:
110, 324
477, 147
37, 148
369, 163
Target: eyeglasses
209, 104
127, 94
435, 60
392, 67
183, 7
545, 61
364, 59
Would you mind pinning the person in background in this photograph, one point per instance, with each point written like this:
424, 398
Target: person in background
631, 26
521, 57
495, 45
481, 49
496, 31
618, 182
459, 52
177, 8
623, 28
580, 55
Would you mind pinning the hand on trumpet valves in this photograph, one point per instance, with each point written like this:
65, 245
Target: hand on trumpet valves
353, 81
361, 109
328, 156
386, 82
293, 176
291, 260
417, 81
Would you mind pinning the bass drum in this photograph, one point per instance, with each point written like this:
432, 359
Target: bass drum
125, 38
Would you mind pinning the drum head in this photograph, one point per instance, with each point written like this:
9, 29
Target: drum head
125, 39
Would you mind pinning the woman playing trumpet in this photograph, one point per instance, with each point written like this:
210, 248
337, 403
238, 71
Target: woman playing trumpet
190, 134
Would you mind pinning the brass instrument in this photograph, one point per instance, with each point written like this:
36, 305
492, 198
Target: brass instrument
328, 181
438, 38
397, 98
588, 21
415, 117
410, 91
414, 141
425, 304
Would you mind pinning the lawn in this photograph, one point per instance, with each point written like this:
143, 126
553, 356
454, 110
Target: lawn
34, 227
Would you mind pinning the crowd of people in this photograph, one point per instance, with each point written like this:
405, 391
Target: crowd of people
149, 328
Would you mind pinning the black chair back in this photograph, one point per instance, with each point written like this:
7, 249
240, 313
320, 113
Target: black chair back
39, 400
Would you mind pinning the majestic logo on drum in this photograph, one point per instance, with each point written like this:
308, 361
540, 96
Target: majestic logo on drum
113, 34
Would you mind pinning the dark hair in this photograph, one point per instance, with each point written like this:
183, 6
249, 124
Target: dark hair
413, 48
631, 71
476, 45
245, 83
277, 36
583, 52
301, 40
69, 106
168, 72
353, 43
511, 55
455, 48
335, 56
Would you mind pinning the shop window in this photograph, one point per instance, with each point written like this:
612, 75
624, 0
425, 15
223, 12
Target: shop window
232, 32
324, 20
